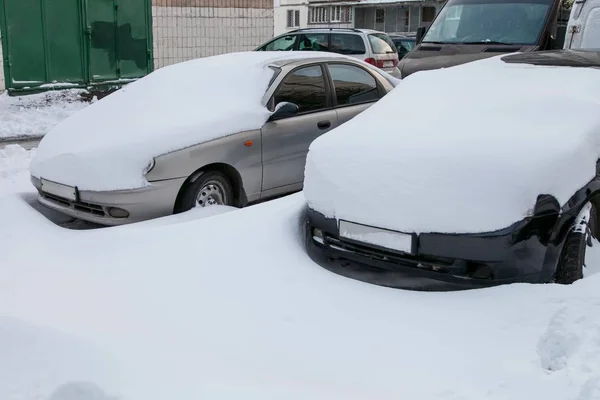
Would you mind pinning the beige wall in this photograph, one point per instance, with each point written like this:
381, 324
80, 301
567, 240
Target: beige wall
188, 29
267, 4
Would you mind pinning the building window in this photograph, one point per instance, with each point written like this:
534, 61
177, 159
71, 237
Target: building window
334, 14
318, 15
379, 15
341, 14
427, 14
293, 18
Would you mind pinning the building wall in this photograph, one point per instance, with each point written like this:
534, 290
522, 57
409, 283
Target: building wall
281, 15
2, 85
188, 29
397, 17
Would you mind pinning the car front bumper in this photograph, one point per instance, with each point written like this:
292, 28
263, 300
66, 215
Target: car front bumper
156, 200
520, 253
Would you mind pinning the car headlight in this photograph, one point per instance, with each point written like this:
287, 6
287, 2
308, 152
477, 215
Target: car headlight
149, 167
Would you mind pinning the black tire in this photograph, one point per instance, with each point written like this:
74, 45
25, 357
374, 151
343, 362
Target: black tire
189, 196
572, 259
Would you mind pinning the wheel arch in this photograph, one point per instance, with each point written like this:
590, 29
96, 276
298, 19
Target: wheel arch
235, 178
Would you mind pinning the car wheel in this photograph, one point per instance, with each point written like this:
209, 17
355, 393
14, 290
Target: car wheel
572, 257
210, 188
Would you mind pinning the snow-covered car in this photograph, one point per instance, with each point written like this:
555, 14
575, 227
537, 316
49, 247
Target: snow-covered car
492, 178
196, 134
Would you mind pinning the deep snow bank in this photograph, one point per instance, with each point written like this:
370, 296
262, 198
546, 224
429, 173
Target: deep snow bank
477, 144
231, 307
35, 115
14, 165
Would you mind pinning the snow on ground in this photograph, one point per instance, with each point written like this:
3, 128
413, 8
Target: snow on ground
34, 115
14, 168
231, 307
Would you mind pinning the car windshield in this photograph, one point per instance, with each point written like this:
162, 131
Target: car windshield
381, 43
404, 44
490, 21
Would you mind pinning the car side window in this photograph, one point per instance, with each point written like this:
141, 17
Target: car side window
284, 43
313, 42
353, 85
304, 87
347, 43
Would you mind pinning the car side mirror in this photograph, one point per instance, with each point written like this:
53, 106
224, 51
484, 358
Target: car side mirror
420, 33
284, 110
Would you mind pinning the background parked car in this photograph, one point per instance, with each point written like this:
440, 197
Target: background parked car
404, 43
179, 149
373, 47
457, 35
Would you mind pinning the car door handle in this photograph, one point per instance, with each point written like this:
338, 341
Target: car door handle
323, 124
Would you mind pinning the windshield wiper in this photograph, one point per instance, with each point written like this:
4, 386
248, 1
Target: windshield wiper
478, 42
488, 42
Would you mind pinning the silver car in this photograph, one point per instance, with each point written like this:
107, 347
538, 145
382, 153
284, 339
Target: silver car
374, 47
307, 97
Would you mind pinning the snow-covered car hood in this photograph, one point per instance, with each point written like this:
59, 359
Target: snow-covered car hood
462, 149
107, 145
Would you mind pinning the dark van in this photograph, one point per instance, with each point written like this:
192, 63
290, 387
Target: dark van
469, 30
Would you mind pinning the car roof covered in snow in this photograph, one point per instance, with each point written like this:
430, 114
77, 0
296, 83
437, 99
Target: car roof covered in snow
477, 144
107, 145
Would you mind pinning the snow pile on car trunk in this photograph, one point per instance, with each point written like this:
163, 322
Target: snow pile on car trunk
107, 145
461, 149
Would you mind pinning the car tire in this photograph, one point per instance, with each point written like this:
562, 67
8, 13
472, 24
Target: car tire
210, 188
572, 257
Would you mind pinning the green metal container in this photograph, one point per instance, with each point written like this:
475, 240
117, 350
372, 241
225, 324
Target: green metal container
75, 43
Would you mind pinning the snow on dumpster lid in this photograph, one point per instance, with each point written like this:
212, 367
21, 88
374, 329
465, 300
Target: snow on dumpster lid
461, 149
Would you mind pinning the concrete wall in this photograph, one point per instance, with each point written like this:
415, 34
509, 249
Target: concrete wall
2, 85
281, 15
208, 27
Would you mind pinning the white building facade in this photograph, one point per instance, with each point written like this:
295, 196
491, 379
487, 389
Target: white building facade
382, 15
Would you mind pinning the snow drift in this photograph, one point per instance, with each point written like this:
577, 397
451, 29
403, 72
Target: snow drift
475, 146
165, 310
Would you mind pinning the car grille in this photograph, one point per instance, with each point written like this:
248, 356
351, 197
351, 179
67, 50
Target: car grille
420, 261
89, 208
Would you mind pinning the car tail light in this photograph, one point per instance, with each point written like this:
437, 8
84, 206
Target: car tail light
379, 63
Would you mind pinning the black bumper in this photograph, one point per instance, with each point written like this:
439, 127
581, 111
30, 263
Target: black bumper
521, 253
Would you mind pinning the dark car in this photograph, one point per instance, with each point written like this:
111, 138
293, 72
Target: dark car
547, 245
404, 43
469, 30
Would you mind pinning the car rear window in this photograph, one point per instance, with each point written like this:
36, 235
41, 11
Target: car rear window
381, 43
347, 43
